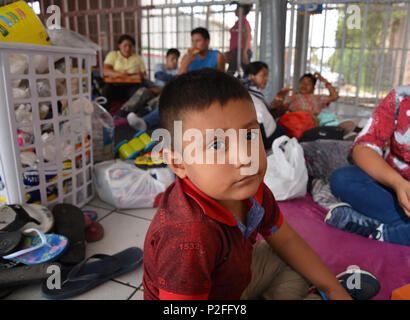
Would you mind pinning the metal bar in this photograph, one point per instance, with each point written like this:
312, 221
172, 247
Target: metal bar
323, 41
207, 17
192, 19
223, 30
177, 25
110, 27
99, 40
239, 44
341, 1
87, 27
381, 64
162, 32
75, 17
149, 43
363, 43
65, 9
342, 48
124, 3
255, 40
133, 8
290, 46
405, 43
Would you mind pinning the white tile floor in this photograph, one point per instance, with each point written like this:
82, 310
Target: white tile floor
122, 229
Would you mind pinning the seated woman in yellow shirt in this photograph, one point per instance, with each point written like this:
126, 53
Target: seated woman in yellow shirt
123, 63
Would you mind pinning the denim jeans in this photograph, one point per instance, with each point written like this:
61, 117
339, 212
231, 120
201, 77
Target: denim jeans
152, 118
352, 185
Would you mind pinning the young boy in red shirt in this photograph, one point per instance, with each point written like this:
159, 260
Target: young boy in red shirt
201, 243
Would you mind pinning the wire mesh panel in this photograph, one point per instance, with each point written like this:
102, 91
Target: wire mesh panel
360, 47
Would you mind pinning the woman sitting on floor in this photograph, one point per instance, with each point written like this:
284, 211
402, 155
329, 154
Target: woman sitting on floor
123, 63
255, 79
377, 189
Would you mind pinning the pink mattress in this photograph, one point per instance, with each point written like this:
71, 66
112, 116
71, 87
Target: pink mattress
390, 263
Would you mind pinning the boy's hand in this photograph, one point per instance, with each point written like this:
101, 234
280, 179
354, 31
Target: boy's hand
338, 293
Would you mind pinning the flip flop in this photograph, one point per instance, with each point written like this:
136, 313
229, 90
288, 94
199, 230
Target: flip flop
69, 222
39, 249
25, 275
91, 214
14, 217
7, 264
87, 221
94, 232
28, 216
86, 276
9, 241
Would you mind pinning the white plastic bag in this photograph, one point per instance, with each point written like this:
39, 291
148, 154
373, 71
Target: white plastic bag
125, 186
286, 175
103, 129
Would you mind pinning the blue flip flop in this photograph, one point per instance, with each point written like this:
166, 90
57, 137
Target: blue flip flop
86, 276
39, 249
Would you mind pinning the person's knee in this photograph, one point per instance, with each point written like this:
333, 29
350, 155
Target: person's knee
339, 179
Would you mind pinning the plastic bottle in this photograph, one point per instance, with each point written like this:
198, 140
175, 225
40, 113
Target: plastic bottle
102, 132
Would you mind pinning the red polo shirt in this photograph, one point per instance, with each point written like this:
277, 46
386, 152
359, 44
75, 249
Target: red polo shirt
197, 249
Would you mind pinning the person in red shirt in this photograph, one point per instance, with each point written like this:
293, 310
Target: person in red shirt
201, 243
305, 99
376, 190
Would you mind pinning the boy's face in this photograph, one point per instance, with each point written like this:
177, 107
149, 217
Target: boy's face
171, 61
199, 42
225, 181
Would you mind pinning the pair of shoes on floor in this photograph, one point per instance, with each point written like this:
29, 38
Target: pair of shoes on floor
23, 237
342, 216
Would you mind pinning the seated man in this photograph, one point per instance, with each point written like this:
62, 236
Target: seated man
163, 73
122, 63
200, 56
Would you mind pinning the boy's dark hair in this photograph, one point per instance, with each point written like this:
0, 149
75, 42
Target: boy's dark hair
255, 67
126, 37
196, 91
173, 51
310, 76
202, 31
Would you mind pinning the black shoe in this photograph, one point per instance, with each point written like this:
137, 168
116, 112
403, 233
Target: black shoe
360, 284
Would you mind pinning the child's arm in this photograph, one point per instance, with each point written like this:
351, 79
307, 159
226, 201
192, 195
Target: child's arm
333, 94
298, 254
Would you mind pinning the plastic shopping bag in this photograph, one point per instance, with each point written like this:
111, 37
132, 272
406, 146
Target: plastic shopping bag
125, 186
286, 175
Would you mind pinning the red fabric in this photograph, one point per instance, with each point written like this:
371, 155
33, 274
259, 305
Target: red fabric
390, 123
305, 102
194, 248
296, 123
164, 295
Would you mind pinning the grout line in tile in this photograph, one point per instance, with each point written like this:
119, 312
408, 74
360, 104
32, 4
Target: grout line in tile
97, 206
132, 294
125, 284
130, 215
109, 213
